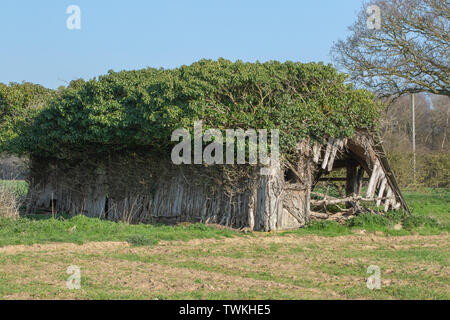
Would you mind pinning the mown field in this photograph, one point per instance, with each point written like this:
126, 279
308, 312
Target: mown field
322, 261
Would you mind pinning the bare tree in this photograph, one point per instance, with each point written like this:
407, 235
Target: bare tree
406, 52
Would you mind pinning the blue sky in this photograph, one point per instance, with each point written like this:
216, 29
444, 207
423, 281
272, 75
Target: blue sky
36, 46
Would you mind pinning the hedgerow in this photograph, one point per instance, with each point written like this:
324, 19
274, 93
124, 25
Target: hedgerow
140, 109
20, 103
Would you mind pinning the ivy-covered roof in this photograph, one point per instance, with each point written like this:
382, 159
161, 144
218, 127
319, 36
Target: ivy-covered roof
141, 109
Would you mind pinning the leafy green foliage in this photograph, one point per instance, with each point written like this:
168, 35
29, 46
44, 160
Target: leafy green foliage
369, 219
433, 169
409, 223
19, 104
419, 221
140, 240
396, 216
130, 109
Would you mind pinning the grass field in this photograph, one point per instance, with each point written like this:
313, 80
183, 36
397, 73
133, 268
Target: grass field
322, 261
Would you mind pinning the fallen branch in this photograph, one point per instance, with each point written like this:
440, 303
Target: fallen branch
333, 201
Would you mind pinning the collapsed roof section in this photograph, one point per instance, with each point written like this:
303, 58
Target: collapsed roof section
366, 152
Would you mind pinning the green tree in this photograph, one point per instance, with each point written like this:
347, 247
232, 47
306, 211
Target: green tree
140, 109
19, 104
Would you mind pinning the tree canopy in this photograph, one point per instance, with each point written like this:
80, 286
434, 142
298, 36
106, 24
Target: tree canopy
19, 104
140, 109
408, 53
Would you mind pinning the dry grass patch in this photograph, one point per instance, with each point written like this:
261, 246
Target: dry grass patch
260, 267
9, 203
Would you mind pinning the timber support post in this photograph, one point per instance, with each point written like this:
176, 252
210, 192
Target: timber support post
359, 180
351, 187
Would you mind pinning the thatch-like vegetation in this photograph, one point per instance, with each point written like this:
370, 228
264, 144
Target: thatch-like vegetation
140, 109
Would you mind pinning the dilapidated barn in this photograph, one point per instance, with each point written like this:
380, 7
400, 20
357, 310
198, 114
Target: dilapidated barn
102, 147
153, 191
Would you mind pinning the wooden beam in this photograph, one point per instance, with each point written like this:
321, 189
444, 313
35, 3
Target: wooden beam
359, 179
334, 149
351, 185
351, 180
316, 152
381, 191
327, 154
391, 176
332, 201
339, 179
373, 179
388, 200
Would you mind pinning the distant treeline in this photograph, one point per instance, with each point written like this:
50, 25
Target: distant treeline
432, 115
432, 169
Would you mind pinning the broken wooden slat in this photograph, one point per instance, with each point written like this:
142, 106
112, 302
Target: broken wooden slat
373, 180
378, 146
319, 215
393, 203
381, 191
378, 180
316, 152
327, 154
344, 142
335, 147
388, 200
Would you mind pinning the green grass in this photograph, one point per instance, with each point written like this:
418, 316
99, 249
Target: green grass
309, 263
321, 228
430, 202
315, 268
430, 215
44, 229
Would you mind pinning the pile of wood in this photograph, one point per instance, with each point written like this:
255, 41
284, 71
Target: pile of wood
366, 156
354, 206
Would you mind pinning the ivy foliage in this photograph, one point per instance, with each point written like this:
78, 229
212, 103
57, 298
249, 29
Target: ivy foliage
20, 103
141, 109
